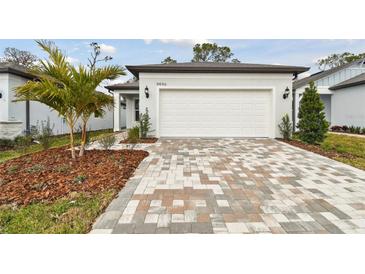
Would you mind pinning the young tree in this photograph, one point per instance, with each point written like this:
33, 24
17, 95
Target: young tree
211, 52
312, 123
19, 57
168, 60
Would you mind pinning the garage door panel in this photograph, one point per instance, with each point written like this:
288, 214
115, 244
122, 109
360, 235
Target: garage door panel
208, 113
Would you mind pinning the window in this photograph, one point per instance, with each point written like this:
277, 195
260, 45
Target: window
136, 109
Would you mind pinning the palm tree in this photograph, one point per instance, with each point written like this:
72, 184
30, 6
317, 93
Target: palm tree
52, 87
91, 101
69, 90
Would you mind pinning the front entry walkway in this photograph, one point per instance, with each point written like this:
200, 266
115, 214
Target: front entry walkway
237, 186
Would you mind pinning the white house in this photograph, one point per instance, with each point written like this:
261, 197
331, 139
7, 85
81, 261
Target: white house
18, 117
341, 89
208, 99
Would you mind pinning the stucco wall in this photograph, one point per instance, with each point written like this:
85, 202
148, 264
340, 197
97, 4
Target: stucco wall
4, 89
278, 82
348, 106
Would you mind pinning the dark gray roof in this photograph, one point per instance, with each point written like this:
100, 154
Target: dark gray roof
16, 70
354, 81
211, 67
124, 86
321, 74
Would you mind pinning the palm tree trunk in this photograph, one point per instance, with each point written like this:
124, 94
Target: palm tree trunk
83, 138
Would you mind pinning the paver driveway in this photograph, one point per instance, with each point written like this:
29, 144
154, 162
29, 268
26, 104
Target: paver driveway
237, 186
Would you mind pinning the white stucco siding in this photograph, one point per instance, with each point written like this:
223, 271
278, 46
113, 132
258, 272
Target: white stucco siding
348, 106
39, 112
276, 83
4, 101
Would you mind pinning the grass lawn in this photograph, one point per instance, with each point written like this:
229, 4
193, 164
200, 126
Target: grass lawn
352, 149
57, 141
343, 148
73, 214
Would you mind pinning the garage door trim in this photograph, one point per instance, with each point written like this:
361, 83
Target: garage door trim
241, 88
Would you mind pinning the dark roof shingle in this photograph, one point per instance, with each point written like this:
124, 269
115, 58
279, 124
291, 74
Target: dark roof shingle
211, 67
124, 86
16, 70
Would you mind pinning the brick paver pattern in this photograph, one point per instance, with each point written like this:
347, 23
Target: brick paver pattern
237, 186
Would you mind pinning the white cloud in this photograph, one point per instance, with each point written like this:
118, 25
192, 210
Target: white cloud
107, 49
179, 42
72, 60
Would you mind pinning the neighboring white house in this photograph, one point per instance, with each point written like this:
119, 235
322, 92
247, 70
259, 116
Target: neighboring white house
209, 99
342, 91
18, 117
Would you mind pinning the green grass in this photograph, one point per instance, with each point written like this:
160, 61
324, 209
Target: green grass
351, 145
66, 215
57, 141
347, 145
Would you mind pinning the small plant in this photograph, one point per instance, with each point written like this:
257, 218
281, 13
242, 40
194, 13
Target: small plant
107, 141
44, 134
351, 129
133, 134
285, 127
144, 124
36, 168
22, 143
39, 186
363, 130
62, 168
358, 130
80, 178
345, 128
12, 169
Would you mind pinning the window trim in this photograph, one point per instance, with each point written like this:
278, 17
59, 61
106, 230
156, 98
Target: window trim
136, 117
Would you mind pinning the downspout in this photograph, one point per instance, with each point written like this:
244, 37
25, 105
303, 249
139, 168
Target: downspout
293, 103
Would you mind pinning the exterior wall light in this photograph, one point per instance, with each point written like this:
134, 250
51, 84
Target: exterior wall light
286, 93
1, 94
146, 92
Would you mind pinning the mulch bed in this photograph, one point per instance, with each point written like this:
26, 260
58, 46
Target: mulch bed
141, 141
52, 174
317, 149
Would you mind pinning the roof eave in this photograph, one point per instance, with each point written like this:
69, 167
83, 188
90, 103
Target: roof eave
359, 83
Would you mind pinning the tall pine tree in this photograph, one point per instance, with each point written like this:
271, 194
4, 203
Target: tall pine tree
312, 121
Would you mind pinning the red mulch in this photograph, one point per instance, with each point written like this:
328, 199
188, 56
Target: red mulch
52, 174
141, 141
317, 149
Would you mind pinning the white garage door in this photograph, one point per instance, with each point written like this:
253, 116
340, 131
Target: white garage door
218, 113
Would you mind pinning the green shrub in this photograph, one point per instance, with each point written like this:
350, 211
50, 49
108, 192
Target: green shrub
352, 129
107, 141
358, 130
312, 123
285, 127
133, 134
22, 143
6, 143
144, 123
363, 130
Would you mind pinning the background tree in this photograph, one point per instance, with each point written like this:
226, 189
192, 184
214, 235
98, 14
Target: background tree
95, 55
168, 60
312, 123
19, 57
211, 52
335, 60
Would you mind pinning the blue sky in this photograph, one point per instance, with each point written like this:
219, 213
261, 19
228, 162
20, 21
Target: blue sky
130, 51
